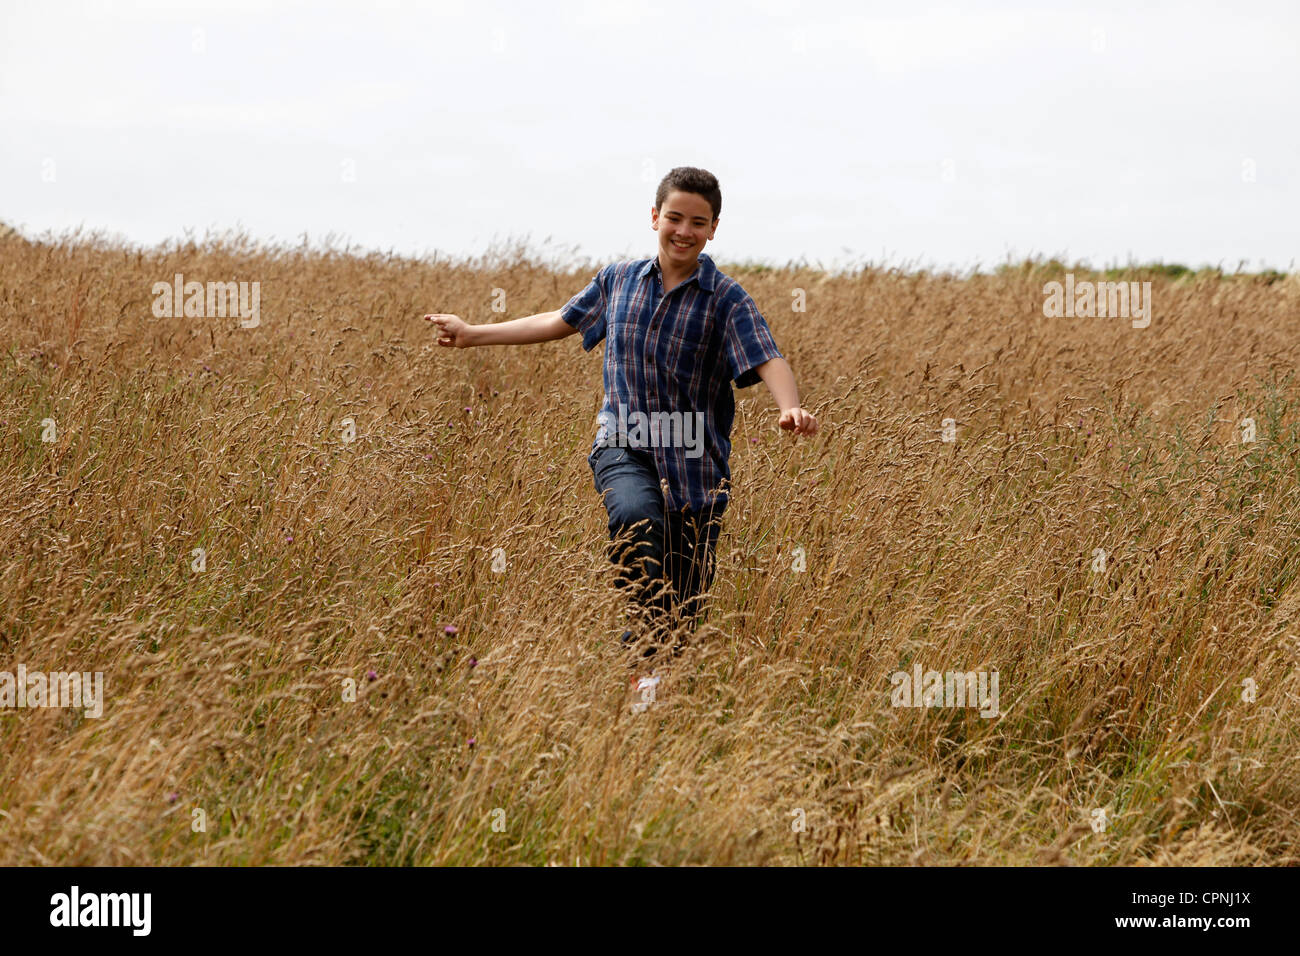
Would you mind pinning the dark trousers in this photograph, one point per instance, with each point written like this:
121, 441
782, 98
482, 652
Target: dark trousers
663, 560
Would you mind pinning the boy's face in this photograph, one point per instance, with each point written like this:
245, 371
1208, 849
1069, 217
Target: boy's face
685, 224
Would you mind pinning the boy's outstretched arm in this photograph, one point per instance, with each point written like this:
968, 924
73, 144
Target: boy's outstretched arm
779, 378
455, 332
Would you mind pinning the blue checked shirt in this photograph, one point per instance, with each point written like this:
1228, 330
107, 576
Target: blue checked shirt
669, 364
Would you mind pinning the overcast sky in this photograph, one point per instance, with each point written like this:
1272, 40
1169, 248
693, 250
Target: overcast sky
938, 135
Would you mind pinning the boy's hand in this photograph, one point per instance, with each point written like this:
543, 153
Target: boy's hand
798, 421
453, 331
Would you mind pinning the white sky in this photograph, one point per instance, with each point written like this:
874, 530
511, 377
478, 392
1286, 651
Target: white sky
938, 135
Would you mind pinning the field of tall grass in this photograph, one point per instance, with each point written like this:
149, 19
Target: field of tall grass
402, 648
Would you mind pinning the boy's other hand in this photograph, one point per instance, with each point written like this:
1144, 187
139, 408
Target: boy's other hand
453, 331
798, 421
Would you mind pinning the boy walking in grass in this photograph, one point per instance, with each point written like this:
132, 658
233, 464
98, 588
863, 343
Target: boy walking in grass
677, 333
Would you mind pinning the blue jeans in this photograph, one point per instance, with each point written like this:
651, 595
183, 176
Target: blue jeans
663, 560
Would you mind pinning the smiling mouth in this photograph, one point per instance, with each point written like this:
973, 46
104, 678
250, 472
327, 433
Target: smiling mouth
681, 245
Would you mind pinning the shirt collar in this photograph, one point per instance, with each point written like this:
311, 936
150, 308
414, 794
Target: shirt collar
705, 275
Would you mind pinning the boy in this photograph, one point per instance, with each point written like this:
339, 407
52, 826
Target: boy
677, 333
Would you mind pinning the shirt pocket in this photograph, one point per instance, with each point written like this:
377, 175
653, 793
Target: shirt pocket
622, 322
688, 339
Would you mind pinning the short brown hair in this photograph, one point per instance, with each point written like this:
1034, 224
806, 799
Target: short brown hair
691, 180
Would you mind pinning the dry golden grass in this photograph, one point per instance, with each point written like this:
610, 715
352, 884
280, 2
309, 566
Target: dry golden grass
1120, 690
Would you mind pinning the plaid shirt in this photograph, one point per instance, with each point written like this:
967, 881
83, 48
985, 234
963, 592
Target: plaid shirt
674, 354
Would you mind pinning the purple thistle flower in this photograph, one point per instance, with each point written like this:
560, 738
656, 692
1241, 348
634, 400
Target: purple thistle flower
371, 675
450, 629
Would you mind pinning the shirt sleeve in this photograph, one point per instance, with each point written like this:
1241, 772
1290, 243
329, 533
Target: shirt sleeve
748, 342
586, 310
